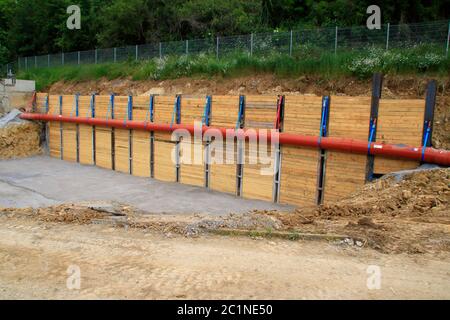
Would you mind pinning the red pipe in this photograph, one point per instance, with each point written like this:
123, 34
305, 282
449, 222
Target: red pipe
431, 155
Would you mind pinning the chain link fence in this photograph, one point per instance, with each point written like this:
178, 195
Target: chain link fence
433, 34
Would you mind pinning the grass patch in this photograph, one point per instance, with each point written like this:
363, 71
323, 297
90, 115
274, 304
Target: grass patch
415, 60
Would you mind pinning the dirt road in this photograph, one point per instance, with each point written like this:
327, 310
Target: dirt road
128, 263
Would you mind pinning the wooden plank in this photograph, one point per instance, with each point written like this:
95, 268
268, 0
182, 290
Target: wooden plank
191, 172
121, 143
141, 139
298, 183
344, 172
299, 166
258, 168
85, 131
399, 122
165, 166
54, 142
69, 129
103, 135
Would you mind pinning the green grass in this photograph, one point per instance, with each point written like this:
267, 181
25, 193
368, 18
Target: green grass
416, 60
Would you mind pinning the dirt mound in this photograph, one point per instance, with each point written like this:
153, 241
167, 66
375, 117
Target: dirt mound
19, 140
419, 193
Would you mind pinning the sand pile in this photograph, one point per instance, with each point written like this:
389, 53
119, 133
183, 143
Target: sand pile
419, 193
19, 138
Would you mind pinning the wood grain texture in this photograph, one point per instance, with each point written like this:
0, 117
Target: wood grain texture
85, 131
141, 139
103, 135
54, 133
345, 173
122, 137
224, 113
299, 166
258, 168
69, 129
399, 122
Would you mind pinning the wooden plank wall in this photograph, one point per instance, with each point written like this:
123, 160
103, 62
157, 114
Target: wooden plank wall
299, 165
85, 131
345, 172
122, 136
258, 177
191, 172
399, 122
69, 129
103, 135
165, 167
141, 139
54, 132
224, 113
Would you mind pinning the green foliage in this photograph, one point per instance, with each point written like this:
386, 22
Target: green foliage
33, 27
361, 64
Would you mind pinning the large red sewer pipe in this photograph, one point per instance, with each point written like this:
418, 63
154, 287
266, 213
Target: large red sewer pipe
430, 155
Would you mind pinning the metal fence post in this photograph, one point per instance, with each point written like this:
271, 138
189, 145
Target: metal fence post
335, 41
137, 52
48, 60
187, 47
62, 58
115, 55
448, 40
160, 50
79, 57
26, 63
387, 35
35, 61
251, 45
217, 48
290, 43
18, 62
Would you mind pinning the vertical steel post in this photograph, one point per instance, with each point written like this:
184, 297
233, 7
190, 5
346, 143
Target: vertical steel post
187, 47
387, 35
115, 55
251, 45
35, 61
335, 40
160, 50
96, 56
290, 43
62, 58
79, 57
137, 52
26, 63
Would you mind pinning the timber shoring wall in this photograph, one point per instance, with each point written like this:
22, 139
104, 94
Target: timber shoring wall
157, 154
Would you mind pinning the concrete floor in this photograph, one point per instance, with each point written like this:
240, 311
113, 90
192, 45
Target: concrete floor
43, 181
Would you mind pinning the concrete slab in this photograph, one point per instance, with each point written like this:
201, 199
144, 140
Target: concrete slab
42, 181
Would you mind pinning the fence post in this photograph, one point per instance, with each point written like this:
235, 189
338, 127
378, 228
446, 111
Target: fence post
137, 52
448, 39
217, 48
96, 56
335, 41
160, 50
251, 45
290, 43
26, 63
48, 60
115, 55
35, 61
387, 35
18, 63
79, 58
187, 47
62, 58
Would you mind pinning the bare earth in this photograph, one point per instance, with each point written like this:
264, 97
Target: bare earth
129, 263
